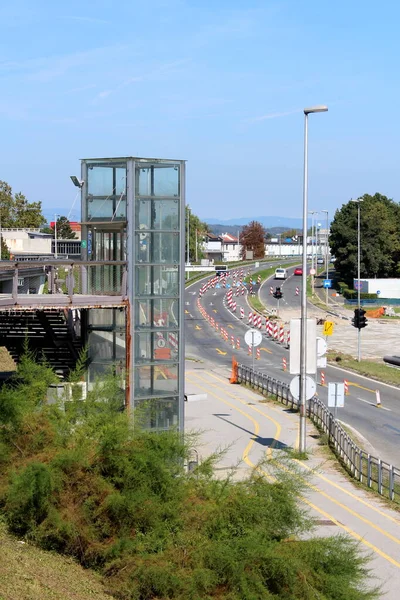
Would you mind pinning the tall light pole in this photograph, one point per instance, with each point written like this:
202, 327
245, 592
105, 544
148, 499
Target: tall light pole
359, 200
303, 318
313, 265
326, 254
188, 239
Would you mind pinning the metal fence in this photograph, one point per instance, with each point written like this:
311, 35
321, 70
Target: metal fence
58, 279
369, 470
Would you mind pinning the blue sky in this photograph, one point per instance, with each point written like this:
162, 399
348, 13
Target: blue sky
221, 84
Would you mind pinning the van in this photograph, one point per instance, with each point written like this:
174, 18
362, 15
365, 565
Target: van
280, 273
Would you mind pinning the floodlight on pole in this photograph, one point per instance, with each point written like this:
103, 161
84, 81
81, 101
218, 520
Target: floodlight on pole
303, 319
77, 182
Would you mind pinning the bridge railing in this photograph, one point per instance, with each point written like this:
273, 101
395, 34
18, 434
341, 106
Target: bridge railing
369, 470
66, 278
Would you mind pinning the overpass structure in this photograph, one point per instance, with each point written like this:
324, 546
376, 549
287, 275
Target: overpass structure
124, 299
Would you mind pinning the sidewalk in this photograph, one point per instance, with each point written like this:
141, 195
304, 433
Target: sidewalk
235, 418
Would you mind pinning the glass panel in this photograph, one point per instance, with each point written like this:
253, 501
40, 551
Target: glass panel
157, 281
156, 346
100, 181
157, 413
100, 208
120, 180
156, 379
157, 247
166, 181
165, 313
157, 214
143, 181
120, 209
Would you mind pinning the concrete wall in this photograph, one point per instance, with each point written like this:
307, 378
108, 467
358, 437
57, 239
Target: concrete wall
387, 288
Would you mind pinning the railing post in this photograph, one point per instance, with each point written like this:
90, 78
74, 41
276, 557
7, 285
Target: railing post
15, 284
379, 476
70, 283
391, 482
369, 468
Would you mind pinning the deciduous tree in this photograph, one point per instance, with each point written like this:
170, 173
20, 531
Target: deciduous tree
16, 211
252, 238
380, 244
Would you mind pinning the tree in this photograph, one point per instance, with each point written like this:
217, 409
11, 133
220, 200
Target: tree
16, 211
380, 243
64, 231
197, 231
252, 238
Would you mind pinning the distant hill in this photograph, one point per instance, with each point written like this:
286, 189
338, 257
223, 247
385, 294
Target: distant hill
268, 222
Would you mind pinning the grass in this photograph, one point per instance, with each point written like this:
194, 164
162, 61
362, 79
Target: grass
369, 368
28, 572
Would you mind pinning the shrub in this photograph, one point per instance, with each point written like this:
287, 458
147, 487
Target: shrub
353, 295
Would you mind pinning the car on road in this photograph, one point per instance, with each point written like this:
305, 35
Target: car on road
280, 274
298, 271
320, 261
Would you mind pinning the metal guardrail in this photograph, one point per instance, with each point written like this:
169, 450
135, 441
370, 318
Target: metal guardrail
369, 470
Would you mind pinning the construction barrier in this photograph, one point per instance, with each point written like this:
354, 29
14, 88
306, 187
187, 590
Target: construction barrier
258, 354
241, 313
271, 290
378, 399
281, 334
322, 378
297, 291
275, 331
237, 344
284, 363
250, 351
233, 341
346, 387
250, 318
288, 338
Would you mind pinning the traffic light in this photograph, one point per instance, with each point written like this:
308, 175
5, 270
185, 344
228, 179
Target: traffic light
359, 320
278, 293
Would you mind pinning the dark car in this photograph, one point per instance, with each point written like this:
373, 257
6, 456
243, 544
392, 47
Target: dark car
298, 271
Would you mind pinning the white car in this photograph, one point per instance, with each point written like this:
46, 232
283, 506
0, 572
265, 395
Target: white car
280, 274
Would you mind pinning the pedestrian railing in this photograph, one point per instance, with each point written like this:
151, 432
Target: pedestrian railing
369, 470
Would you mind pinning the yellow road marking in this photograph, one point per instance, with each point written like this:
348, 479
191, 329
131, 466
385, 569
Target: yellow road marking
220, 351
316, 489
215, 310
231, 326
186, 312
323, 477
266, 350
198, 327
361, 387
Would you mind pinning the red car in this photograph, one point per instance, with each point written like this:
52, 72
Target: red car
298, 271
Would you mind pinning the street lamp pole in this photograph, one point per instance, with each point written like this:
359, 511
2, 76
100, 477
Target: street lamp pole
303, 319
326, 254
313, 265
359, 200
188, 239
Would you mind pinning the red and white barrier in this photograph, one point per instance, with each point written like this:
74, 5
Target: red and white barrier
288, 338
275, 331
284, 363
250, 351
237, 344
271, 290
297, 291
241, 313
234, 306
346, 387
233, 341
322, 378
258, 354
281, 334
250, 318
259, 322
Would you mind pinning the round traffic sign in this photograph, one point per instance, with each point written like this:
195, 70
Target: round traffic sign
161, 343
322, 346
253, 337
378, 292
312, 271
311, 387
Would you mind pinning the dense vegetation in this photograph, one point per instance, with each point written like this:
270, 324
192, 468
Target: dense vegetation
380, 238
86, 482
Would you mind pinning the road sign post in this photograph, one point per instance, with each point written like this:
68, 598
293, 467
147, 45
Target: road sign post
335, 396
253, 337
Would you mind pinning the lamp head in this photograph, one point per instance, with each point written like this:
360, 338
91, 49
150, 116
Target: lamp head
315, 109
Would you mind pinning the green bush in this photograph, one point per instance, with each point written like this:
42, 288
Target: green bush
341, 286
120, 500
353, 295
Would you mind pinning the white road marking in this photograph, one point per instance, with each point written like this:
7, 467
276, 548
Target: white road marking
372, 404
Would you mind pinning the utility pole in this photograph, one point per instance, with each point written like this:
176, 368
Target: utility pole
326, 254
55, 236
359, 200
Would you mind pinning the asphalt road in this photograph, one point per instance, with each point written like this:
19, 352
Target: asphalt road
380, 426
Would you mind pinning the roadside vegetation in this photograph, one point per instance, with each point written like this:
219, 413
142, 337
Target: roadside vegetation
369, 368
264, 274
84, 480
